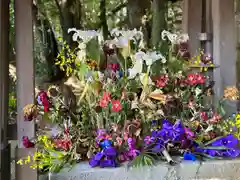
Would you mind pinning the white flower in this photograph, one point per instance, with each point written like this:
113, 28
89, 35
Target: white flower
84, 36
150, 57
198, 91
123, 37
136, 69
174, 38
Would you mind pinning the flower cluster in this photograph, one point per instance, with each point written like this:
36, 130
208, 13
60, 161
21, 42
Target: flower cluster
109, 120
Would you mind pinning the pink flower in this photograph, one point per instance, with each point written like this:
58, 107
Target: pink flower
147, 140
188, 132
216, 118
116, 105
162, 81
103, 103
119, 141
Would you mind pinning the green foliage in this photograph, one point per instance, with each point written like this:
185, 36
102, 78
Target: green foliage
12, 103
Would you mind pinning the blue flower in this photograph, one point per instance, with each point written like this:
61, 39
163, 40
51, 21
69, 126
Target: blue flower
189, 156
154, 122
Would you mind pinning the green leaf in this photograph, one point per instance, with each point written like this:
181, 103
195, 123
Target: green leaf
46, 116
93, 50
216, 147
83, 69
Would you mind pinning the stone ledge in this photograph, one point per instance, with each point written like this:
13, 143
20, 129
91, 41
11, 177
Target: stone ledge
215, 170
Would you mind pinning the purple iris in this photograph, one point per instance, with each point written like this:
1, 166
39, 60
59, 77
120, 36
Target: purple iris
107, 157
228, 144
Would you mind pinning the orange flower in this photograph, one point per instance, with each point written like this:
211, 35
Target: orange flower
116, 105
92, 64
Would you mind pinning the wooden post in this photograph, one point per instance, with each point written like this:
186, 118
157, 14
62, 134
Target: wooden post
25, 81
192, 17
224, 47
4, 79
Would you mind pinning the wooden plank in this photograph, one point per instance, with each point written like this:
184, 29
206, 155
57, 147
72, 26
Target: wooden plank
191, 24
25, 66
24, 172
224, 49
4, 62
25, 81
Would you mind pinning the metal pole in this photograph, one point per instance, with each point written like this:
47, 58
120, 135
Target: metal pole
4, 85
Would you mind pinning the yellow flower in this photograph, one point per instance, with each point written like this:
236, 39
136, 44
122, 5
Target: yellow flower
238, 120
36, 156
20, 162
40, 166
27, 160
34, 166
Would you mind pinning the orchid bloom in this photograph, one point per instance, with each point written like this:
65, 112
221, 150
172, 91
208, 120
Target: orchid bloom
85, 36
174, 38
149, 58
122, 38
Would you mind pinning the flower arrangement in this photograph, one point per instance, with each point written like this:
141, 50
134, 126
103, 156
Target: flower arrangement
135, 105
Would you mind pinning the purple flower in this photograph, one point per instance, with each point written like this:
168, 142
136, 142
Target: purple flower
39, 100
229, 148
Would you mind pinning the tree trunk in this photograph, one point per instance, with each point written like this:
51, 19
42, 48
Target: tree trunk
70, 17
46, 34
136, 10
103, 19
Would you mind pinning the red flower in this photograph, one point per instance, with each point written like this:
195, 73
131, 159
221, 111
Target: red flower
204, 116
105, 100
44, 99
162, 81
194, 79
191, 79
113, 66
27, 143
116, 105
107, 96
200, 78
64, 144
